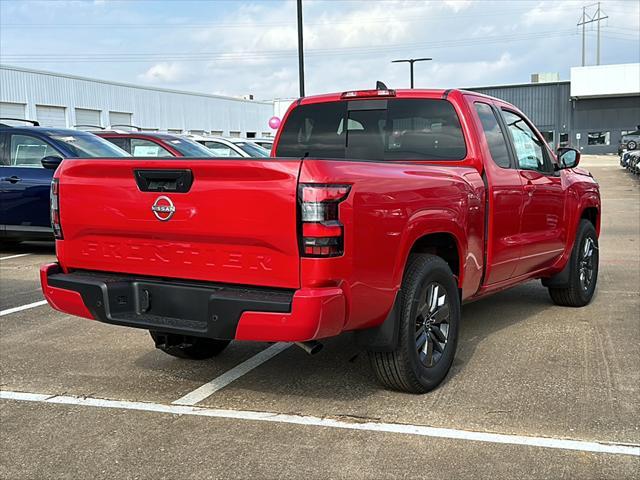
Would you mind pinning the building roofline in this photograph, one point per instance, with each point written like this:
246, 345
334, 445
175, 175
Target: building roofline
518, 85
129, 85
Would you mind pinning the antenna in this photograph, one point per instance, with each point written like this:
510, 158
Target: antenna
381, 86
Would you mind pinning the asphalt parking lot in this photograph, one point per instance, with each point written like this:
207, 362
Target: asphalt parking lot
536, 391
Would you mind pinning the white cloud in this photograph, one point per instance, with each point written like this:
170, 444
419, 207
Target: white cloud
457, 5
238, 48
165, 73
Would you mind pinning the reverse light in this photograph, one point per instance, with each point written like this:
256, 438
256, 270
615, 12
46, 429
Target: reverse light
322, 232
54, 203
369, 93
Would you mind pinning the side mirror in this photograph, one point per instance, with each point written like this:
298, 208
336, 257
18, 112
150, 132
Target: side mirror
568, 158
51, 162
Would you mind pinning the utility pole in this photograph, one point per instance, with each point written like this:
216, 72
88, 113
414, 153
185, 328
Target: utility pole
598, 42
411, 61
300, 49
584, 24
586, 18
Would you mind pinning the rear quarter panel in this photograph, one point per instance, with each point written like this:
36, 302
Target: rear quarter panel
390, 206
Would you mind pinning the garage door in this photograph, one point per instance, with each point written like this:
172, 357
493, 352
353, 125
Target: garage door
84, 116
51, 116
119, 118
12, 110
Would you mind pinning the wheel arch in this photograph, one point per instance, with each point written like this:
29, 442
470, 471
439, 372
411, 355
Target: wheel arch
442, 244
591, 213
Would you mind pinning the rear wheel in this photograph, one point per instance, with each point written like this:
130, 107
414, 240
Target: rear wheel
583, 270
429, 321
631, 145
186, 346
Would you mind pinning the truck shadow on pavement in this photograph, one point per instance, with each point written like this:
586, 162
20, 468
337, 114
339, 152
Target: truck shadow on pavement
340, 372
35, 248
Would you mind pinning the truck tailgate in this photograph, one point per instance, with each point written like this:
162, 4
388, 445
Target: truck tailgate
237, 223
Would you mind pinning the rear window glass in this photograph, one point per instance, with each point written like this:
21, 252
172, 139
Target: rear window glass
396, 129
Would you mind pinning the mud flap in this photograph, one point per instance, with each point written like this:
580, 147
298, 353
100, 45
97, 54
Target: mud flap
384, 337
560, 279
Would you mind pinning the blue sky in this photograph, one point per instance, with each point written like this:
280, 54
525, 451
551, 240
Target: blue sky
238, 47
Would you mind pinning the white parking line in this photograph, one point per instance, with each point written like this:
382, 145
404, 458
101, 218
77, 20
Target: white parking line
418, 430
15, 256
22, 307
236, 372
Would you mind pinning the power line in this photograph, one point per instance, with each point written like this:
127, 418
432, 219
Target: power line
329, 22
264, 54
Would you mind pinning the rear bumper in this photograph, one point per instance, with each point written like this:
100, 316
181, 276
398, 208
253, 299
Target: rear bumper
195, 308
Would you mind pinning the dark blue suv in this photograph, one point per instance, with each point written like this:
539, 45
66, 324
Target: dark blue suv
28, 157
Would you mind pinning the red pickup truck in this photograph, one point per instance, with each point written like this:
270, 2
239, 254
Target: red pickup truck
381, 212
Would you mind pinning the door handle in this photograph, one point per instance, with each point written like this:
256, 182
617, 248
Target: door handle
12, 179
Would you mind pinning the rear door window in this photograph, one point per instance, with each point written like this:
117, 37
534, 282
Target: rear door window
395, 129
493, 133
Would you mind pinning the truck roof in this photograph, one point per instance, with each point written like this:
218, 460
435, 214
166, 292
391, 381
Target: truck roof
399, 93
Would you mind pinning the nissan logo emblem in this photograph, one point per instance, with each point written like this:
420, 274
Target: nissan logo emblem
163, 208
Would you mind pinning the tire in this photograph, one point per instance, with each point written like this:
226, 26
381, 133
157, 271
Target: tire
430, 301
184, 346
583, 270
631, 145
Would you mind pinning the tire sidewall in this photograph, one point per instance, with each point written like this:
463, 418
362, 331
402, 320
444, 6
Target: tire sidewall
586, 230
435, 270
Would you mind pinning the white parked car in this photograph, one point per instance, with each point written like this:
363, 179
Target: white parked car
264, 142
231, 147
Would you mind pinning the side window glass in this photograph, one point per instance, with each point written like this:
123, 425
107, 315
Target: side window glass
147, 148
27, 151
123, 143
529, 148
494, 135
221, 150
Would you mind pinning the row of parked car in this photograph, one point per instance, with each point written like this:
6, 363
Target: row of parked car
630, 159
29, 154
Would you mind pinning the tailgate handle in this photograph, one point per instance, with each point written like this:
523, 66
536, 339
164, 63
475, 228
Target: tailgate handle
178, 181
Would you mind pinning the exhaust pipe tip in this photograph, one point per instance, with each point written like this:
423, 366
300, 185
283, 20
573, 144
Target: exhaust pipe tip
311, 347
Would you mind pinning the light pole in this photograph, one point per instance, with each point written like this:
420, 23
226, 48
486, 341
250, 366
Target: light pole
300, 49
411, 61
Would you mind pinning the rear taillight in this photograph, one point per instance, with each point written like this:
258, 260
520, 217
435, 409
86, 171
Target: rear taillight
55, 209
322, 232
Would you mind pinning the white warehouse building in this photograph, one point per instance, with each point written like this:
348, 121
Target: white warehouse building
57, 100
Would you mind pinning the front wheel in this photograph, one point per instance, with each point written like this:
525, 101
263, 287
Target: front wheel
185, 346
631, 145
583, 270
428, 335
